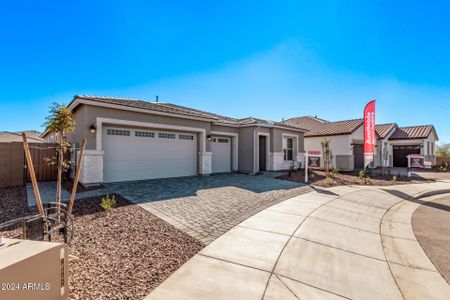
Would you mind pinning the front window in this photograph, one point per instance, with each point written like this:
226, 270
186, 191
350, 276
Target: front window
288, 148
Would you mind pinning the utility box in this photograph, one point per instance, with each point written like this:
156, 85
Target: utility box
33, 270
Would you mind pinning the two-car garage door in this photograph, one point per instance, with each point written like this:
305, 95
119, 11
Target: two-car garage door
137, 154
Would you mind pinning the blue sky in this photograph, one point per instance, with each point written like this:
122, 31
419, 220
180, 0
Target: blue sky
269, 59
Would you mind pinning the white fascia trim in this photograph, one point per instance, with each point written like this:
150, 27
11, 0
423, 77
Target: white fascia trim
100, 121
134, 109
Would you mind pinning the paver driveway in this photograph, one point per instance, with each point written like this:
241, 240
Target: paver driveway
351, 243
203, 207
207, 207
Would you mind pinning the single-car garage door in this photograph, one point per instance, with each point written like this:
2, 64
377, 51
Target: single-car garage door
221, 154
135, 154
400, 154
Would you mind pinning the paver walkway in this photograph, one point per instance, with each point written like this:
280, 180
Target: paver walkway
47, 189
203, 207
347, 243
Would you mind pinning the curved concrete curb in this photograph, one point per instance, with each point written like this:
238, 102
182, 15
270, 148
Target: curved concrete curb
413, 271
338, 243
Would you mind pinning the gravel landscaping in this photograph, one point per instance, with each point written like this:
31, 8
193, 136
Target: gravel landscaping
319, 178
122, 254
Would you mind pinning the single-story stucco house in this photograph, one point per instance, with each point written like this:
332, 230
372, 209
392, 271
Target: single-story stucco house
346, 141
130, 139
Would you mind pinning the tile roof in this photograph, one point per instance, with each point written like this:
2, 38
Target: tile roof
384, 129
182, 111
320, 127
154, 106
413, 132
256, 121
32, 136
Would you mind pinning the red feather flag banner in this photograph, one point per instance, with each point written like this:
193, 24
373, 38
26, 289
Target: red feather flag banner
369, 133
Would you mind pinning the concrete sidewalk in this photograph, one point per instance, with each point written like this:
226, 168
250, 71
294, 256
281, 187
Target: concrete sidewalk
340, 243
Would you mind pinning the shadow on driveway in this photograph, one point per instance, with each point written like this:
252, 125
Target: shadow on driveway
422, 202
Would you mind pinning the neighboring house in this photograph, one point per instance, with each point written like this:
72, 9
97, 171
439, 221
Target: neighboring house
412, 140
130, 139
32, 136
347, 141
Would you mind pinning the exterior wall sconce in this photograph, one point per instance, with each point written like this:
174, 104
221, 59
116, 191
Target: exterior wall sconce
92, 129
209, 137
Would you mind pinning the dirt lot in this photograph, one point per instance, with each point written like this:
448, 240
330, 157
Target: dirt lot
319, 178
122, 254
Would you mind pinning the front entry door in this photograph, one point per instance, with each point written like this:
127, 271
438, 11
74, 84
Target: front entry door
358, 153
262, 153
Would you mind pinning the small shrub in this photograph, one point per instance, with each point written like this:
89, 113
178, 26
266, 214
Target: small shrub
108, 202
335, 171
361, 174
394, 178
367, 180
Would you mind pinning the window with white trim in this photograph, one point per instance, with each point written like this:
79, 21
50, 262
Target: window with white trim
117, 132
288, 148
163, 135
222, 140
147, 134
186, 137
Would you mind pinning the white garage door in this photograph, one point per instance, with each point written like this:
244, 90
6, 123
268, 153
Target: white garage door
134, 154
221, 154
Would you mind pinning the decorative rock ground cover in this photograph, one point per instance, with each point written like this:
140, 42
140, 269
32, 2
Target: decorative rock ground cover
319, 178
122, 254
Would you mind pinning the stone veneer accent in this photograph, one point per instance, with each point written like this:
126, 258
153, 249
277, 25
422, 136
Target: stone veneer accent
92, 167
205, 163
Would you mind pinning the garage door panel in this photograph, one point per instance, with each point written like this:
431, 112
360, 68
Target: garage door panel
221, 154
142, 157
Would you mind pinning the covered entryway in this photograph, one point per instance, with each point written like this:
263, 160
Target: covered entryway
401, 152
358, 156
221, 154
262, 152
138, 154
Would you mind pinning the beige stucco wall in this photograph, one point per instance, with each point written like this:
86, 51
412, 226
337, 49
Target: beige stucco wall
246, 149
224, 128
86, 115
277, 138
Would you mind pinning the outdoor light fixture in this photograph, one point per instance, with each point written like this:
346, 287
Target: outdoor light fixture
92, 129
209, 137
